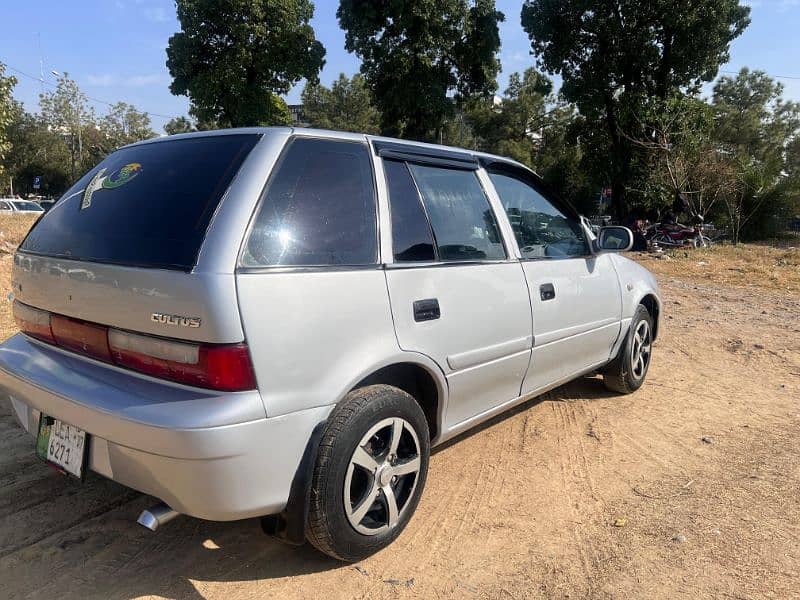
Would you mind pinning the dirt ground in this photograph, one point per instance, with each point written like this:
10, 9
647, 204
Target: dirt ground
687, 488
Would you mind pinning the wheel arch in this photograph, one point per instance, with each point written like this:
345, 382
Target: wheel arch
651, 303
424, 382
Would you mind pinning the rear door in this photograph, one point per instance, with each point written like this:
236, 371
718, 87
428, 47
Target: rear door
575, 295
455, 294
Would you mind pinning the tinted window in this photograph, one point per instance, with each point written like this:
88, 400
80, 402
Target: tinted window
147, 205
23, 205
540, 228
411, 234
463, 222
319, 208
5, 206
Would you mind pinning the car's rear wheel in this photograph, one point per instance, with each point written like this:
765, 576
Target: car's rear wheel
627, 372
369, 474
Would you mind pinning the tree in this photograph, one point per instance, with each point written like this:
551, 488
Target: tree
416, 54
511, 125
567, 159
616, 57
179, 125
757, 130
678, 154
7, 84
233, 57
125, 125
66, 111
37, 151
345, 106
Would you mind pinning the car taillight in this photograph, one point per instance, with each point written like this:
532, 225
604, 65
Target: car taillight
34, 322
82, 337
224, 367
220, 367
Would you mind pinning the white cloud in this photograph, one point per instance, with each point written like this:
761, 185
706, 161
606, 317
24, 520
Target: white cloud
104, 80
144, 80
137, 81
157, 15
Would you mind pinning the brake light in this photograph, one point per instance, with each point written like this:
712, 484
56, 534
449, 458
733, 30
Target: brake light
80, 336
34, 322
224, 367
219, 367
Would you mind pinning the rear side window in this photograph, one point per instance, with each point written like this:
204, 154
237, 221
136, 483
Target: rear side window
412, 239
319, 208
463, 222
147, 205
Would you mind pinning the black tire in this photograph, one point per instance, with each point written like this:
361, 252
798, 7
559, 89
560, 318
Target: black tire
328, 526
622, 375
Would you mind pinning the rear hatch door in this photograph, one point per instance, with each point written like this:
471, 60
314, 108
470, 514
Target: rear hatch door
120, 247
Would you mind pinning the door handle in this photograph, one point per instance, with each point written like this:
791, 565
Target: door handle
426, 310
547, 292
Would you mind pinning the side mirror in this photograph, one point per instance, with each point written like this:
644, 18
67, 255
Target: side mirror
614, 239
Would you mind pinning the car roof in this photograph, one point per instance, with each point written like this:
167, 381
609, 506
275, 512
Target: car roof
329, 133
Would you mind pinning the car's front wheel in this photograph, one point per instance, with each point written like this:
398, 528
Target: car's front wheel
370, 472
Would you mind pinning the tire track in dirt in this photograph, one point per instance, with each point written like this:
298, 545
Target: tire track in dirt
466, 483
74, 521
585, 508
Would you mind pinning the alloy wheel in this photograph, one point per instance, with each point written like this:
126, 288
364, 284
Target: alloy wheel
381, 476
640, 350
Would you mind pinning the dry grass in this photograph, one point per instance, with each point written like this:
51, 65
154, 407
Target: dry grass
747, 265
14, 227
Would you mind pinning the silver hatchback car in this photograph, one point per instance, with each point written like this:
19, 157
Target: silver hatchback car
281, 323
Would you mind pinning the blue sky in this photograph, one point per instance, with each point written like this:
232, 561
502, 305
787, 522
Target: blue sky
115, 49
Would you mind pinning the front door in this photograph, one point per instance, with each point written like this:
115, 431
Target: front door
575, 296
455, 294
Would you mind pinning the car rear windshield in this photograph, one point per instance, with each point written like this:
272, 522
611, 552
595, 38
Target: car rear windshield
146, 205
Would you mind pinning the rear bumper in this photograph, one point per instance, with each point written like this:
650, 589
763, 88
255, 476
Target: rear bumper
207, 454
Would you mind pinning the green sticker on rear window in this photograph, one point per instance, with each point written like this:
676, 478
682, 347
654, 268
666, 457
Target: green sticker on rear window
111, 181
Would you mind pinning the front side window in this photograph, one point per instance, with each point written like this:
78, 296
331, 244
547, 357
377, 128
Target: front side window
463, 223
541, 229
319, 208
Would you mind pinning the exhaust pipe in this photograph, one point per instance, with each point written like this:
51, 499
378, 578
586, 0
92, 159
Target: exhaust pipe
156, 516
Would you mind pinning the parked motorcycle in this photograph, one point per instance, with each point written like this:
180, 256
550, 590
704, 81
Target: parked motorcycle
675, 235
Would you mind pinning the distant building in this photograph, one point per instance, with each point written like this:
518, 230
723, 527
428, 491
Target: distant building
298, 118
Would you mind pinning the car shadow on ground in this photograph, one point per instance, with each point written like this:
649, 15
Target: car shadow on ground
107, 555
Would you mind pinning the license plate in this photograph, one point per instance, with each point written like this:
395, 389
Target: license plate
62, 445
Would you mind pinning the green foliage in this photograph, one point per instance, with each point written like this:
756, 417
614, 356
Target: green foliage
512, 126
565, 160
65, 139
67, 114
529, 125
233, 58
37, 151
416, 53
618, 57
178, 125
345, 106
758, 131
7, 84
125, 125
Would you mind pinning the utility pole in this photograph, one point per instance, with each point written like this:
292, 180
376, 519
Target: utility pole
41, 63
